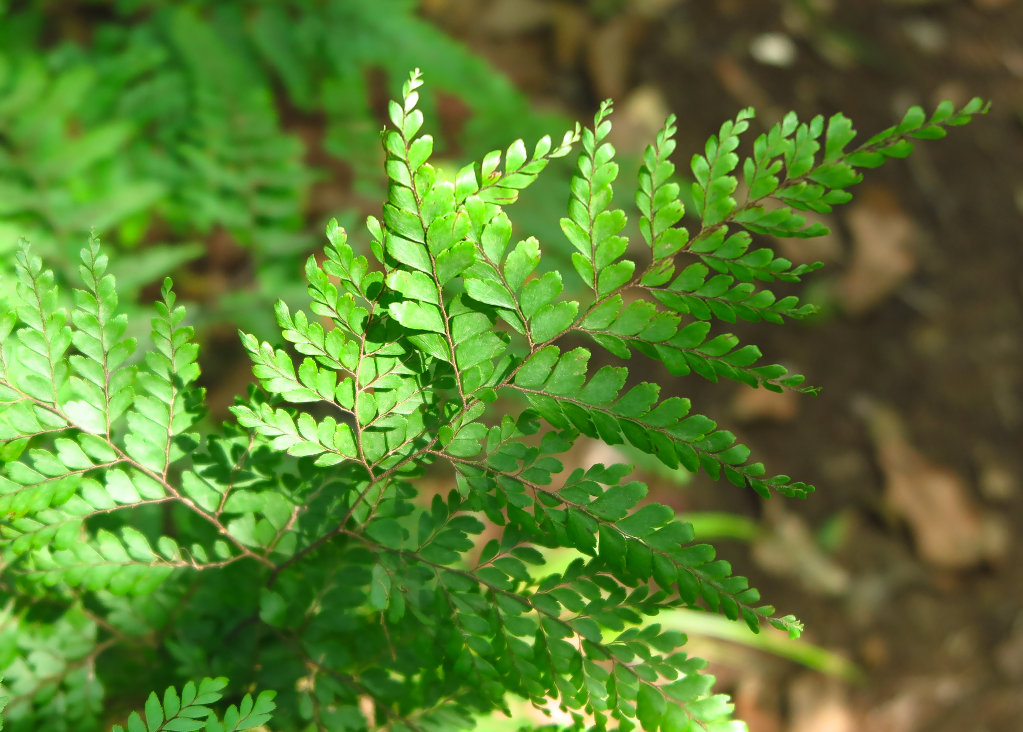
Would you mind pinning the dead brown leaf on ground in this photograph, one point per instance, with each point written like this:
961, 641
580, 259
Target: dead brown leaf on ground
752, 405
756, 703
788, 549
819, 704
638, 119
949, 528
610, 57
884, 242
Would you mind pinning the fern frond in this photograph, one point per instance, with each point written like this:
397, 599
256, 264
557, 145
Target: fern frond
310, 546
100, 434
592, 227
103, 376
190, 710
412, 358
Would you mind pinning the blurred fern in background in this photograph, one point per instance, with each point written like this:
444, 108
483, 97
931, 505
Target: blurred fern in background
110, 112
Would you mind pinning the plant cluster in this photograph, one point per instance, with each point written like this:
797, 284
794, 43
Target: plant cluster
109, 128
301, 549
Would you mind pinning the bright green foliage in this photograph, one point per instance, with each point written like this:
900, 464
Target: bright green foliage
366, 539
110, 132
190, 711
54, 184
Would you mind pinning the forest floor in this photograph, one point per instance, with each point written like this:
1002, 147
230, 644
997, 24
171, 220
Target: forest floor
907, 560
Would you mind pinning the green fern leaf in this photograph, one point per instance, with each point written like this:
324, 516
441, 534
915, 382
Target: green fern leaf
317, 544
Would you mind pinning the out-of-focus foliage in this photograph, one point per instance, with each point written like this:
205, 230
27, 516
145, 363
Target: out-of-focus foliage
158, 124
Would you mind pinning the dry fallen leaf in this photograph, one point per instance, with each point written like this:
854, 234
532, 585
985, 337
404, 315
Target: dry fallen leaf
743, 87
884, 240
920, 700
752, 405
787, 548
820, 705
756, 702
610, 55
949, 529
638, 119
515, 17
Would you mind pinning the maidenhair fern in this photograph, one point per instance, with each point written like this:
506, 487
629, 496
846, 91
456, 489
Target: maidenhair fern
368, 539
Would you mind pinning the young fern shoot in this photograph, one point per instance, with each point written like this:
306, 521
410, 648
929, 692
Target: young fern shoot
298, 550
